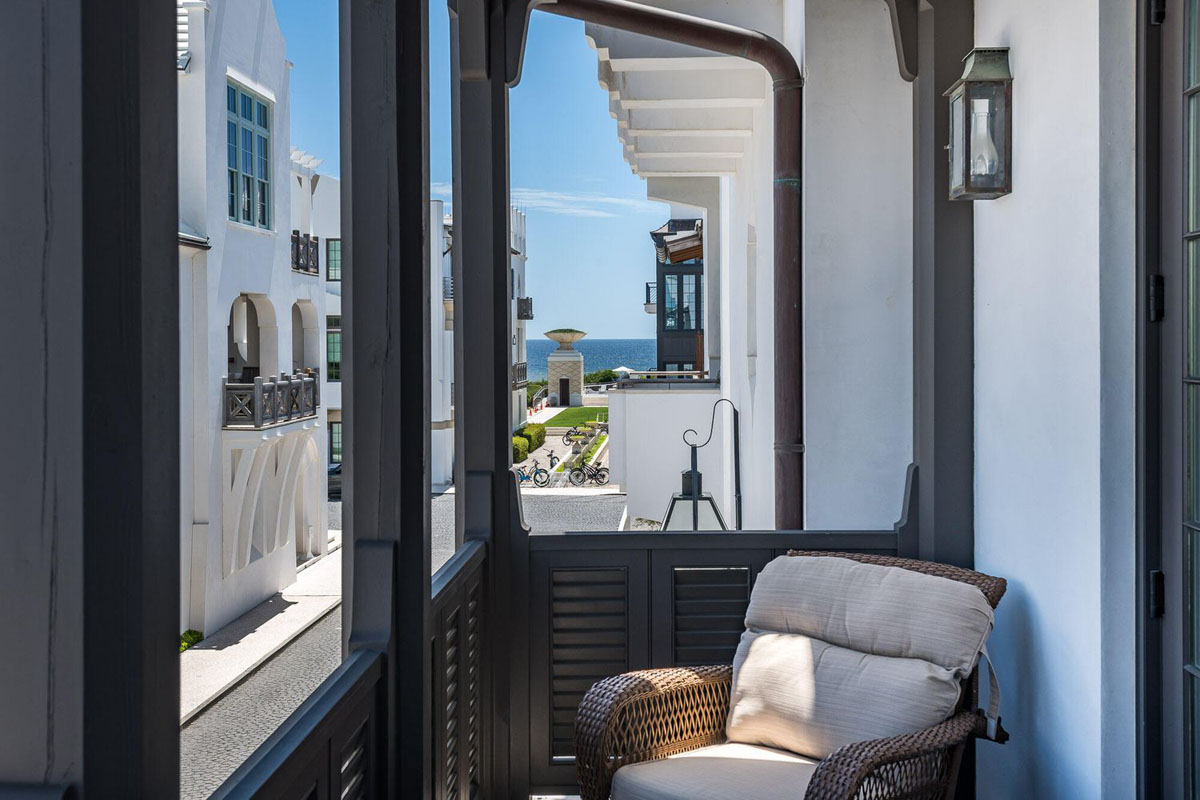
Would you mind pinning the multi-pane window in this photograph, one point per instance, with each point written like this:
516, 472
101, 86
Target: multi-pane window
335, 442
248, 142
681, 302
333, 347
333, 259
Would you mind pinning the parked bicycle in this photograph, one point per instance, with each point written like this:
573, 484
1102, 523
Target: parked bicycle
576, 432
586, 472
534, 473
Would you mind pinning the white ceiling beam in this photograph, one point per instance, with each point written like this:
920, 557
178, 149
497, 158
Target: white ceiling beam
691, 102
642, 154
680, 64
741, 133
684, 174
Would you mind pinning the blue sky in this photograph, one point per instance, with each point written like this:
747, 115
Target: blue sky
587, 216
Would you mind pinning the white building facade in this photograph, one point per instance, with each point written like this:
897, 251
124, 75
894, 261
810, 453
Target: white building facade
698, 128
441, 329
252, 315
1054, 370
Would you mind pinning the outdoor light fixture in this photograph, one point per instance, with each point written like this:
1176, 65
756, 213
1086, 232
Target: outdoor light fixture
981, 127
692, 509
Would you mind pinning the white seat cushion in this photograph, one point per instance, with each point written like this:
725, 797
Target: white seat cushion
836, 651
721, 772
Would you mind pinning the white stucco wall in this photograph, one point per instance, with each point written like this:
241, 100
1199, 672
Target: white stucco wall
1053, 401
858, 249
518, 258
441, 355
643, 421
327, 223
237, 41
857, 267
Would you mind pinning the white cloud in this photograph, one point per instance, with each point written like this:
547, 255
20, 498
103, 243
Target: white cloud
570, 204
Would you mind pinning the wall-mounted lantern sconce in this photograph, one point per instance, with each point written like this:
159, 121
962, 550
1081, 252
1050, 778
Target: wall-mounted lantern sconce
693, 509
981, 127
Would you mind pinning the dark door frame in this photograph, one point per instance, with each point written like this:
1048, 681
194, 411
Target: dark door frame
129, 589
1148, 427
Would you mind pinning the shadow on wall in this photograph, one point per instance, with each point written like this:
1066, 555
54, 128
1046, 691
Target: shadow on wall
1020, 665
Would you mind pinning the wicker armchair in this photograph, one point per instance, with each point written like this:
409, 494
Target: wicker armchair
657, 713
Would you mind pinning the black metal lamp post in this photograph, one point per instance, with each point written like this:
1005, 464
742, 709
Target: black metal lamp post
691, 491
980, 145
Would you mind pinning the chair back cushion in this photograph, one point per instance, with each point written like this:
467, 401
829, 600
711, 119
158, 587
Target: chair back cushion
836, 651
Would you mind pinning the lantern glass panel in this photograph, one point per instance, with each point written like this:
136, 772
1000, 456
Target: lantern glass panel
679, 514
958, 145
987, 127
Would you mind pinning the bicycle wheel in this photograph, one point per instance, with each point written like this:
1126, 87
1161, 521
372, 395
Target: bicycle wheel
541, 478
567, 439
601, 476
578, 477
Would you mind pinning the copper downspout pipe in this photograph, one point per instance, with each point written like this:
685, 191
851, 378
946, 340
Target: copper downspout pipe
788, 91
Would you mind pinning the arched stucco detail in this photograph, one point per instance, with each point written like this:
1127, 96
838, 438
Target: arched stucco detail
306, 517
306, 336
271, 484
252, 336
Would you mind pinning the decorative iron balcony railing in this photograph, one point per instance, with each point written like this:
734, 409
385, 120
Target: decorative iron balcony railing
265, 403
520, 373
651, 306
306, 253
448, 288
525, 308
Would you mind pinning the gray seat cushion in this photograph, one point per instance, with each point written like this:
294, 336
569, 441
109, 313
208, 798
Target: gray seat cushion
721, 772
836, 651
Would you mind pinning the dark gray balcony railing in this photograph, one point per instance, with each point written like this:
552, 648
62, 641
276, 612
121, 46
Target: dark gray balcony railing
520, 374
651, 293
265, 403
460, 722
525, 308
306, 253
448, 288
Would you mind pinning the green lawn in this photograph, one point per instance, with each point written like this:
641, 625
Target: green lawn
577, 415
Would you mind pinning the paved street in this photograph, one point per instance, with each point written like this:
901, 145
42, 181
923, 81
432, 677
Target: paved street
217, 741
224, 735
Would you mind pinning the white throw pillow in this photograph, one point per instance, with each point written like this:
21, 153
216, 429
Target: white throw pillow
837, 651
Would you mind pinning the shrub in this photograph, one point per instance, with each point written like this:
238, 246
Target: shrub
535, 432
189, 638
520, 449
532, 388
591, 451
601, 376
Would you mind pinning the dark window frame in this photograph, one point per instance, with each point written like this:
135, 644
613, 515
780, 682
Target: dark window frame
336, 441
261, 194
329, 260
333, 334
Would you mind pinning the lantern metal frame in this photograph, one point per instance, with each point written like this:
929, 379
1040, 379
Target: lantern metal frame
691, 490
986, 70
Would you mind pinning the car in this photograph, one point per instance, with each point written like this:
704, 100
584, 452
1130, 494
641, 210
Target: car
335, 481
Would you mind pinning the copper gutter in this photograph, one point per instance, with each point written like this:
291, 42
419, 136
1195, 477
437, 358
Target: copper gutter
788, 91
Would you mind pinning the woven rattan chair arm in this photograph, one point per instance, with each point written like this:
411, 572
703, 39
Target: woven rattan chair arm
647, 715
921, 764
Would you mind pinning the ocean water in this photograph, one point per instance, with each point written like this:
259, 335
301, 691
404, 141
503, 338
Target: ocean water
597, 354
